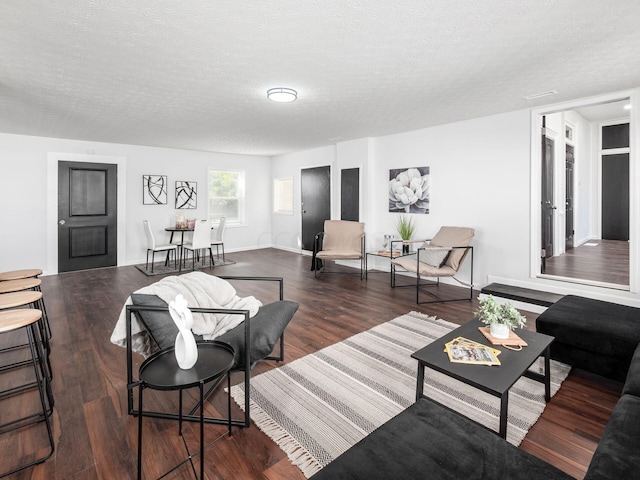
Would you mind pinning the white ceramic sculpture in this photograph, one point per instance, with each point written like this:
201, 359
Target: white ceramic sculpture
186, 349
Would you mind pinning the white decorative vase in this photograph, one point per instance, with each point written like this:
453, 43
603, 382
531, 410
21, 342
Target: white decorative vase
499, 330
186, 349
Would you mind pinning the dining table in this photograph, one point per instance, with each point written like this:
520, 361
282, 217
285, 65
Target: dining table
181, 231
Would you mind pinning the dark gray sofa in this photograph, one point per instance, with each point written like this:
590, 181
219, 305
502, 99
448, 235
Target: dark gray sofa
429, 441
593, 335
618, 453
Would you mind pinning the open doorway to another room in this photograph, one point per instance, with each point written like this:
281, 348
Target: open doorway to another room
584, 213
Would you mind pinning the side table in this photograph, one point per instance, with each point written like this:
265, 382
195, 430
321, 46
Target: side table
390, 254
161, 372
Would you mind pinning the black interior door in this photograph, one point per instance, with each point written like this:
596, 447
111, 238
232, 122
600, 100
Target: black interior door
350, 194
315, 188
87, 216
615, 197
547, 203
615, 182
569, 193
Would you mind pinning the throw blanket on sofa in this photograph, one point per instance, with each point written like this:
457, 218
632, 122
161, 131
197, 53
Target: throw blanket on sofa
200, 290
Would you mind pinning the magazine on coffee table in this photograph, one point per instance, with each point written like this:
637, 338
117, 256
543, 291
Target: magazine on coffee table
463, 350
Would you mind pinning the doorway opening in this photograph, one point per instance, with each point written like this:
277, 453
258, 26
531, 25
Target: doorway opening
581, 187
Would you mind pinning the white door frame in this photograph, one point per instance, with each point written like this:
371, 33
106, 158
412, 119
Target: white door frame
634, 176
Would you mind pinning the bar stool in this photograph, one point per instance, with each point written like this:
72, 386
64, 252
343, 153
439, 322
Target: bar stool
20, 274
30, 283
30, 273
27, 318
28, 298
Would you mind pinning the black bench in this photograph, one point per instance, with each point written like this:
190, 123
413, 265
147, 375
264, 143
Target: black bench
525, 295
593, 335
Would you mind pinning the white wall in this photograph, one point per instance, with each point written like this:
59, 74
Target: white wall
479, 178
585, 181
26, 189
287, 228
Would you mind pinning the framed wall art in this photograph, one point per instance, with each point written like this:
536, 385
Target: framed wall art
154, 189
186, 194
409, 190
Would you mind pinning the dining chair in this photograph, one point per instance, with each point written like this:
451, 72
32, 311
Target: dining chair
201, 240
153, 247
218, 238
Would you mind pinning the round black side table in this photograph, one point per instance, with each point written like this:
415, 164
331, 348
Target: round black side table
161, 372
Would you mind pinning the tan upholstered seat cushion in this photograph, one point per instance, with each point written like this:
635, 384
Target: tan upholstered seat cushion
410, 263
331, 254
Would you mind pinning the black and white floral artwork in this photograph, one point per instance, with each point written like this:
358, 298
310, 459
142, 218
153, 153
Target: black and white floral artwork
186, 194
409, 190
154, 189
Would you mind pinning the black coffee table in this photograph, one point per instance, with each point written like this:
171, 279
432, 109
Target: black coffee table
495, 380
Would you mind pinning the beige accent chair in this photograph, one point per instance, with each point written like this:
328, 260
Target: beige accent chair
441, 256
340, 240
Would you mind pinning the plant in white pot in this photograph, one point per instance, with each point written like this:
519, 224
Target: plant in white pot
500, 317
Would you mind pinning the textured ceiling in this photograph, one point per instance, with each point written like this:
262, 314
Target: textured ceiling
194, 74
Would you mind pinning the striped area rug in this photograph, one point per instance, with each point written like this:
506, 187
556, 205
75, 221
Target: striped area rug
318, 406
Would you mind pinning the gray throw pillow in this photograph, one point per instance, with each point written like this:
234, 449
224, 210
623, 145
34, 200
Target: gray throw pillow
434, 256
265, 329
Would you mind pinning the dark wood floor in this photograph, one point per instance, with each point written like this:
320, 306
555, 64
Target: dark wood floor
96, 439
597, 260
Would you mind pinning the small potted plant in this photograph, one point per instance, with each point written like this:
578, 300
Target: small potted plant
405, 227
500, 318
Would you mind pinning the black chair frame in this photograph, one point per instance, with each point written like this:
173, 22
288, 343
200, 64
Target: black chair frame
166, 262
421, 286
195, 254
191, 417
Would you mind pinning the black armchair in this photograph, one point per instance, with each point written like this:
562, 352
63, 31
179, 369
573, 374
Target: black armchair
260, 333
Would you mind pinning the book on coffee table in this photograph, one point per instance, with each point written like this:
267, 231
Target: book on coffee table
463, 350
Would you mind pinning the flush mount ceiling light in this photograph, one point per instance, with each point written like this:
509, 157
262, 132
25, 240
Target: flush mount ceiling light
627, 106
540, 95
282, 95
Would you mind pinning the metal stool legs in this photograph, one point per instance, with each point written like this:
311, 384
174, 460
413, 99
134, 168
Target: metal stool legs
28, 319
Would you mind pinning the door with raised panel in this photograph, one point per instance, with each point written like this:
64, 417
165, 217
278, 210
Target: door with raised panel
315, 189
87, 215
